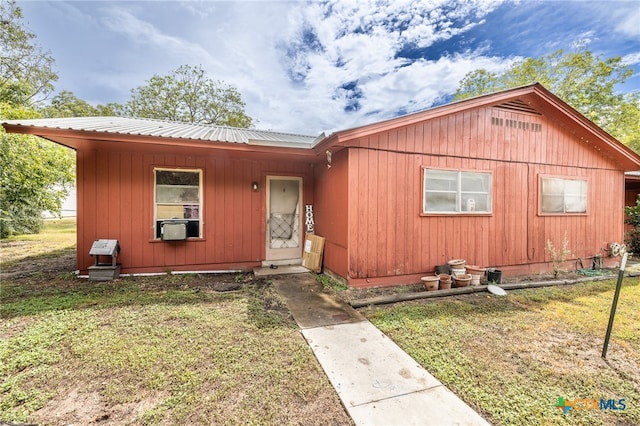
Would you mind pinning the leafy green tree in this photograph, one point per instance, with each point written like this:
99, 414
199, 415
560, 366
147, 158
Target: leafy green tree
35, 176
188, 95
26, 71
583, 80
66, 104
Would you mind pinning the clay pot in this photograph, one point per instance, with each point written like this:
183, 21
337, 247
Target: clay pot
431, 282
445, 281
457, 263
476, 273
463, 280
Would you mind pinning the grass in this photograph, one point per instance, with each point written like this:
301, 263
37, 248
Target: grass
513, 357
330, 283
154, 350
187, 355
58, 237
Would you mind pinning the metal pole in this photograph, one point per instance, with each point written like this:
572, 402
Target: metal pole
614, 305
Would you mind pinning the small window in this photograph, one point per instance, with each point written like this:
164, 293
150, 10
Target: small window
452, 192
178, 195
563, 196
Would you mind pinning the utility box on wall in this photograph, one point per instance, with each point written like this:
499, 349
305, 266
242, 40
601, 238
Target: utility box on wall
174, 230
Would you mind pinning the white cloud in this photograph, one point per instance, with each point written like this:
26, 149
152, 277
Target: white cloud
308, 66
345, 56
147, 35
631, 59
628, 19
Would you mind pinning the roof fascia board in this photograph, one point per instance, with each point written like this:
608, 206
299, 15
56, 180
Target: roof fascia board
615, 147
65, 136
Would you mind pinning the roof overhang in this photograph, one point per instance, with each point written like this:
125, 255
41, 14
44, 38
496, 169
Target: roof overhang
79, 139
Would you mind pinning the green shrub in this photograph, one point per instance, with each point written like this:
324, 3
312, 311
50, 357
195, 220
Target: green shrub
632, 238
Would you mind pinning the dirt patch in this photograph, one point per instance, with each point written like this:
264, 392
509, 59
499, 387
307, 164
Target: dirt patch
50, 265
89, 408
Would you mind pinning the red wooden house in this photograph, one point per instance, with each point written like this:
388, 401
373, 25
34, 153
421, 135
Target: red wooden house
489, 179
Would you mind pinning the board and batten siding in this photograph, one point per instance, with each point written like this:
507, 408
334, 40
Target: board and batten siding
331, 210
116, 201
389, 237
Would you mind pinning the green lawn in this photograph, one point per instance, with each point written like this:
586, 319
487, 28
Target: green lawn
162, 350
58, 236
513, 357
174, 349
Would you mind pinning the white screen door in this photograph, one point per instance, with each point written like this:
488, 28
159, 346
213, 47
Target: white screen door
284, 205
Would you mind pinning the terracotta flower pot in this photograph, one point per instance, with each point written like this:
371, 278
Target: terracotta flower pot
457, 263
475, 270
463, 280
445, 281
476, 273
431, 282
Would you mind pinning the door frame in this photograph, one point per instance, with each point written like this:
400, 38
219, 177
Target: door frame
283, 256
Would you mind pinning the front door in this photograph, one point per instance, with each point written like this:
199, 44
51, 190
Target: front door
284, 224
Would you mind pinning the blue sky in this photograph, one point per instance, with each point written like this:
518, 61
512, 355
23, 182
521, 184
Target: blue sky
308, 67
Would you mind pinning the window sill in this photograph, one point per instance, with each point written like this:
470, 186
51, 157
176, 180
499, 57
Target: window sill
562, 214
188, 240
462, 214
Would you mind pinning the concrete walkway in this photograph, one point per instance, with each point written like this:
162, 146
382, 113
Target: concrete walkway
378, 383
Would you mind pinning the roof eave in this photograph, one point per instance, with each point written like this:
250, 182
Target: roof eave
625, 156
74, 139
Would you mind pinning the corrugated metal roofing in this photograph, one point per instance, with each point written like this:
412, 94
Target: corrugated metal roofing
169, 129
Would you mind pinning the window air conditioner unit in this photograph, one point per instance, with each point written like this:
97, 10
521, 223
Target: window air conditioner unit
174, 230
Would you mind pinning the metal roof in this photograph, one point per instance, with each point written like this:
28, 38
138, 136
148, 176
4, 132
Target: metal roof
170, 129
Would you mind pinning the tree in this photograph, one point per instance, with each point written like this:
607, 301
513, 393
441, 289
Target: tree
26, 71
188, 95
66, 104
583, 80
35, 176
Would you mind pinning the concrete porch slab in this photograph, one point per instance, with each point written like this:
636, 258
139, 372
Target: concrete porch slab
310, 305
280, 270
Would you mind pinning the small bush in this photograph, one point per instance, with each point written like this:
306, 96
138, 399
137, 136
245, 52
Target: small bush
558, 255
632, 239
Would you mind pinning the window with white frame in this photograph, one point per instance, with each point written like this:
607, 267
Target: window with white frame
178, 195
563, 196
456, 192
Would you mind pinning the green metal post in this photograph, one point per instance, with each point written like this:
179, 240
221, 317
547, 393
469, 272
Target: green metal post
614, 305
